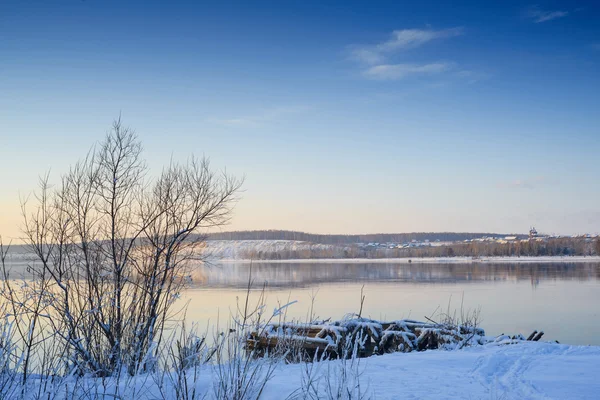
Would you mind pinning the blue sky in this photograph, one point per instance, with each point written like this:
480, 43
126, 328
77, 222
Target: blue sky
345, 117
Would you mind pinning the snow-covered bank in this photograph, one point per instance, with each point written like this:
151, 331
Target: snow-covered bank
428, 260
528, 370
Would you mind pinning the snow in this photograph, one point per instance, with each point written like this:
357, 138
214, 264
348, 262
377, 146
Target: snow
525, 370
528, 370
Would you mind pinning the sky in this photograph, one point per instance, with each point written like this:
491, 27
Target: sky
343, 116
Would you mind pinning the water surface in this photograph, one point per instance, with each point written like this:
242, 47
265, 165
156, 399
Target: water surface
563, 299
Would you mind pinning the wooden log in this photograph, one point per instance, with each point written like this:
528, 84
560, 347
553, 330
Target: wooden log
271, 342
333, 333
395, 341
530, 337
433, 338
538, 336
386, 325
365, 337
427, 341
397, 328
311, 330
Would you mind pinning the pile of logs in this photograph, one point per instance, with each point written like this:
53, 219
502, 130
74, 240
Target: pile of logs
360, 337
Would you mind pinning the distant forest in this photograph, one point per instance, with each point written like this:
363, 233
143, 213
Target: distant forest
351, 239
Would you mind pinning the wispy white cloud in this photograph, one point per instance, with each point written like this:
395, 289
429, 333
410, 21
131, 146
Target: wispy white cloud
367, 55
260, 117
388, 60
410, 38
525, 183
401, 40
538, 15
400, 71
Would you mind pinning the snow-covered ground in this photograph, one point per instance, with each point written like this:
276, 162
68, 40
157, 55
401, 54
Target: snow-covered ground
529, 370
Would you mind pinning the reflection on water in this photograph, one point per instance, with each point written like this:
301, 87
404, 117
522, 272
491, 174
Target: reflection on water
309, 274
561, 299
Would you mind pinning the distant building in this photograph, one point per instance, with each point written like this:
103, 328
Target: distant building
533, 234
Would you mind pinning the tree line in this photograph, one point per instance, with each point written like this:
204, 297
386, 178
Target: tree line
337, 239
523, 248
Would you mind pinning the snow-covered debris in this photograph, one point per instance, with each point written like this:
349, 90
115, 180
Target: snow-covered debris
362, 337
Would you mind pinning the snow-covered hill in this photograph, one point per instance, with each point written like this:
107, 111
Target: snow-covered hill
260, 249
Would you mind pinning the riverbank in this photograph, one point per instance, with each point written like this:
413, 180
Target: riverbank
527, 370
428, 260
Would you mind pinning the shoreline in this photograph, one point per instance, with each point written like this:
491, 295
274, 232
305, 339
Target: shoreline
424, 260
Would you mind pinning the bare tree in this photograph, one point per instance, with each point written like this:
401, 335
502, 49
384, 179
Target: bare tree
114, 247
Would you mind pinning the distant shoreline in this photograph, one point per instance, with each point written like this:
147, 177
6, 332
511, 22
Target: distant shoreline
427, 260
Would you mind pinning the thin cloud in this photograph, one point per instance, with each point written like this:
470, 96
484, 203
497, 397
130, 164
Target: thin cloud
400, 40
401, 71
526, 183
410, 38
538, 15
367, 55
